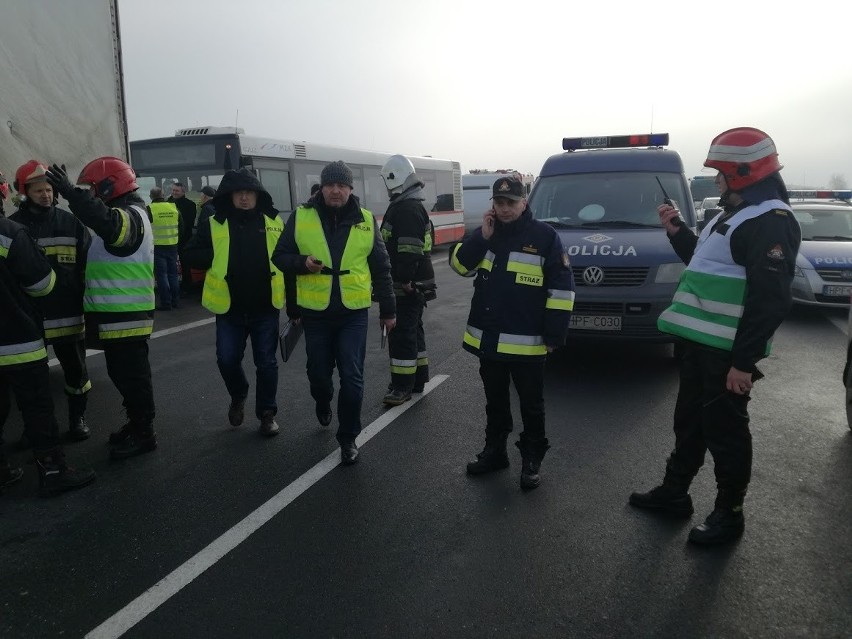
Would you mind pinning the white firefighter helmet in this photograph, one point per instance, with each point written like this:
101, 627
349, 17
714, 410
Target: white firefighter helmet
398, 174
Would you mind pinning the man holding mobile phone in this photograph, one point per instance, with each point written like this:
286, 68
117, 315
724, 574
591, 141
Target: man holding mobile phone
333, 248
522, 302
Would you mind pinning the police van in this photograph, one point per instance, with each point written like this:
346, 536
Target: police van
602, 195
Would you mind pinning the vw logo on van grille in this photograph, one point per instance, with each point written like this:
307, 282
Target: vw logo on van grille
593, 275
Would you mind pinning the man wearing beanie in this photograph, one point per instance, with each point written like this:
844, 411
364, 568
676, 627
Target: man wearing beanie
243, 289
334, 249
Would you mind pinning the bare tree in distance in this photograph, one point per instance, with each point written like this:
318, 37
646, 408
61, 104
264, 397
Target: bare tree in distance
837, 182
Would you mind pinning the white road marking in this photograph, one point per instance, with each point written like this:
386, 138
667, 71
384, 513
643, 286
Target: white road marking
183, 575
166, 331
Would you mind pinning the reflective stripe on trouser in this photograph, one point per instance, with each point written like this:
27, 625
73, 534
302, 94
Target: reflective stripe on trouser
407, 345
72, 359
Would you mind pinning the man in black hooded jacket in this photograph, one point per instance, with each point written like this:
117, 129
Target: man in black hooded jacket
244, 289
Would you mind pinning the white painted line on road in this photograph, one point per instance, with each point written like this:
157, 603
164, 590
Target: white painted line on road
166, 331
183, 575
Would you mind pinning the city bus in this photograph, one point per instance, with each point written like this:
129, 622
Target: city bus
199, 157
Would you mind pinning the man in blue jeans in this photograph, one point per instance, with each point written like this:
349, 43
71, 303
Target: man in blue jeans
334, 249
243, 289
166, 224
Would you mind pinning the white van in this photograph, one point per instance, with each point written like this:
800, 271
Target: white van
476, 189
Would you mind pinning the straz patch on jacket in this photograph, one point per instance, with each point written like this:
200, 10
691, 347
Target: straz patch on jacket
529, 280
66, 259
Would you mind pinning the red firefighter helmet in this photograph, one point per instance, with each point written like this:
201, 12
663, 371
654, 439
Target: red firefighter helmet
108, 178
32, 171
744, 156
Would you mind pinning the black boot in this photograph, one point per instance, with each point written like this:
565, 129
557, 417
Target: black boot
268, 425
493, 456
724, 524
78, 430
140, 439
56, 476
669, 498
396, 397
9, 476
532, 452
323, 412
236, 411
121, 434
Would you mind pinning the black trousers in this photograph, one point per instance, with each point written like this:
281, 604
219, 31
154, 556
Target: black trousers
528, 378
31, 387
709, 417
129, 369
72, 359
407, 345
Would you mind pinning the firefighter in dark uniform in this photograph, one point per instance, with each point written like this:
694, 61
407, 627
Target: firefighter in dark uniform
119, 295
407, 232
25, 274
65, 241
733, 295
522, 302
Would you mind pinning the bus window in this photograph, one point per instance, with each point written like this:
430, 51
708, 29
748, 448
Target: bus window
277, 183
375, 194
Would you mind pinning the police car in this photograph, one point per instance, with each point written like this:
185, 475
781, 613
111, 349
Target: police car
602, 195
824, 264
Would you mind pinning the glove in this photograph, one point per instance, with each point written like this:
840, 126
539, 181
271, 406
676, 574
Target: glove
58, 179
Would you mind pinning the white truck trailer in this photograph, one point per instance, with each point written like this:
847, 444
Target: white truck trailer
61, 84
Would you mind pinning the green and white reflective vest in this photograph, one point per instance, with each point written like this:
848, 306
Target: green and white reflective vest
313, 291
164, 220
216, 296
708, 303
123, 286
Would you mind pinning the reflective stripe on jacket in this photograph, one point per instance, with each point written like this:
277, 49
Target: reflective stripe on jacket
313, 291
216, 296
122, 286
708, 303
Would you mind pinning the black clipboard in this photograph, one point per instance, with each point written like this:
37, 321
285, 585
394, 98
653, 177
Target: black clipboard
289, 337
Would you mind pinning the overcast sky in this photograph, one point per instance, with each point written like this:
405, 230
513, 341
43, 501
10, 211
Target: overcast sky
498, 84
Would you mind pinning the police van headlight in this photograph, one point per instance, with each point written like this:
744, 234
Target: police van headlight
669, 273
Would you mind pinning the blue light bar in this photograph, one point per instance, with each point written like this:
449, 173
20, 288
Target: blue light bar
616, 141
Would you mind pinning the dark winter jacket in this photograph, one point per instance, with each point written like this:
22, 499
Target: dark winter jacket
248, 261
188, 211
65, 241
406, 230
25, 274
510, 300
336, 224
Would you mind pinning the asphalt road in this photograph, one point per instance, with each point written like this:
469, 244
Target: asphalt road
222, 533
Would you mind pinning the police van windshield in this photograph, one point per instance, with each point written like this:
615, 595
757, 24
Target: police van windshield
601, 200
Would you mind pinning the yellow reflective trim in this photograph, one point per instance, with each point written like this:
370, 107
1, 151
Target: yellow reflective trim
65, 330
126, 332
528, 269
45, 290
23, 358
559, 305
85, 388
471, 340
521, 349
125, 224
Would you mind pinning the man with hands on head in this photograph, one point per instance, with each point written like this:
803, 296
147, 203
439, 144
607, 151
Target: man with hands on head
119, 295
733, 295
333, 248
